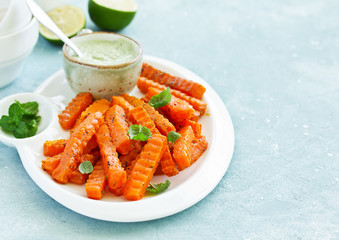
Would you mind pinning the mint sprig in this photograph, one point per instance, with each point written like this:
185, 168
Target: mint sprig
138, 132
158, 188
22, 119
86, 167
173, 136
161, 99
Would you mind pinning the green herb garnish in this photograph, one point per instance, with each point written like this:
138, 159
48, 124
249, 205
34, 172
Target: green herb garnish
173, 136
22, 120
158, 188
86, 167
138, 132
161, 99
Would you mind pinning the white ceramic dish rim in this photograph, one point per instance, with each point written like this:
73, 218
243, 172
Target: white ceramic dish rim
191, 191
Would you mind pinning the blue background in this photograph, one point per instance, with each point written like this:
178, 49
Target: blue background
275, 65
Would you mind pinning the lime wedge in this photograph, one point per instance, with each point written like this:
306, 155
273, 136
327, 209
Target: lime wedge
112, 15
69, 19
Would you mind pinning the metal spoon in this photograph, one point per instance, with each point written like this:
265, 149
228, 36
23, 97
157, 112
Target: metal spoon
46, 21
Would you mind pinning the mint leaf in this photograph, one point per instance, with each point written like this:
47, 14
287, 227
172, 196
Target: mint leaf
7, 123
138, 132
32, 130
86, 167
158, 188
22, 120
21, 130
29, 108
37, 120
173, 136
15, 110
161, 99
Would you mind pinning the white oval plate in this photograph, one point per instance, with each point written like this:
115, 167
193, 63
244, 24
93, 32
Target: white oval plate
187, 188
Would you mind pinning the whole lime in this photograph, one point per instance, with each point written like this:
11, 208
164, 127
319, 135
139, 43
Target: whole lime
112, 15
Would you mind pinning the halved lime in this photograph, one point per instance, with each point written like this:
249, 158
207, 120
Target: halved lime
69, 19
112, 15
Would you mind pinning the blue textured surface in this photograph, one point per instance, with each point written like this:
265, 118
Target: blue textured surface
275, 65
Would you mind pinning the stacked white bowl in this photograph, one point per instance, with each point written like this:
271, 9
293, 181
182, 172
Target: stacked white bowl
19, 32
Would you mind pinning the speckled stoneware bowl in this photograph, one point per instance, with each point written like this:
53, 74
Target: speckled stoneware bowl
103, 81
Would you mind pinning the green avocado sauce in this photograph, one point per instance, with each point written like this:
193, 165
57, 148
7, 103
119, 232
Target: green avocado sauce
104, 52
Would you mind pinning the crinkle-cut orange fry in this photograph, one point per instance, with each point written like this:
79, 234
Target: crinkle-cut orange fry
182, 148
145, 167
50, 163
196, 127
96, 182
127, 159
177, 109
91, 145
97, 106
75, 146
199, 105
162, 123
140, 116
118, 127
199, 147
189, 87
77, 177
195, 116
73, 110
167, 163
115, 173
119, 100
54, 147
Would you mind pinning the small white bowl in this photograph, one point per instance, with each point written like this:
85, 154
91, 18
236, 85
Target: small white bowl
46, 110
16, 17
103, 81
14, 48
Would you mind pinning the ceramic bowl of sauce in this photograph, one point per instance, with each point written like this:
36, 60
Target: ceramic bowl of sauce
110, 65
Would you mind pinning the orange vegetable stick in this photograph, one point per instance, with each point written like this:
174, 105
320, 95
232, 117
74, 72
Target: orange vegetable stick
196, 127
127, 159
168, 166
189, 87
195, 116
199, 147
55, 147
96, 182
115, 173
91, 145
122, 103
73, 110
140, 116
177, 109
118, 127
199, 105
97, 106
50, 163
52, 148
145, 167
75, 146
182, 148
162, 123
77, 177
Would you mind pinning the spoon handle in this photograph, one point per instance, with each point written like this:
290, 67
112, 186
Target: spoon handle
46, 21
